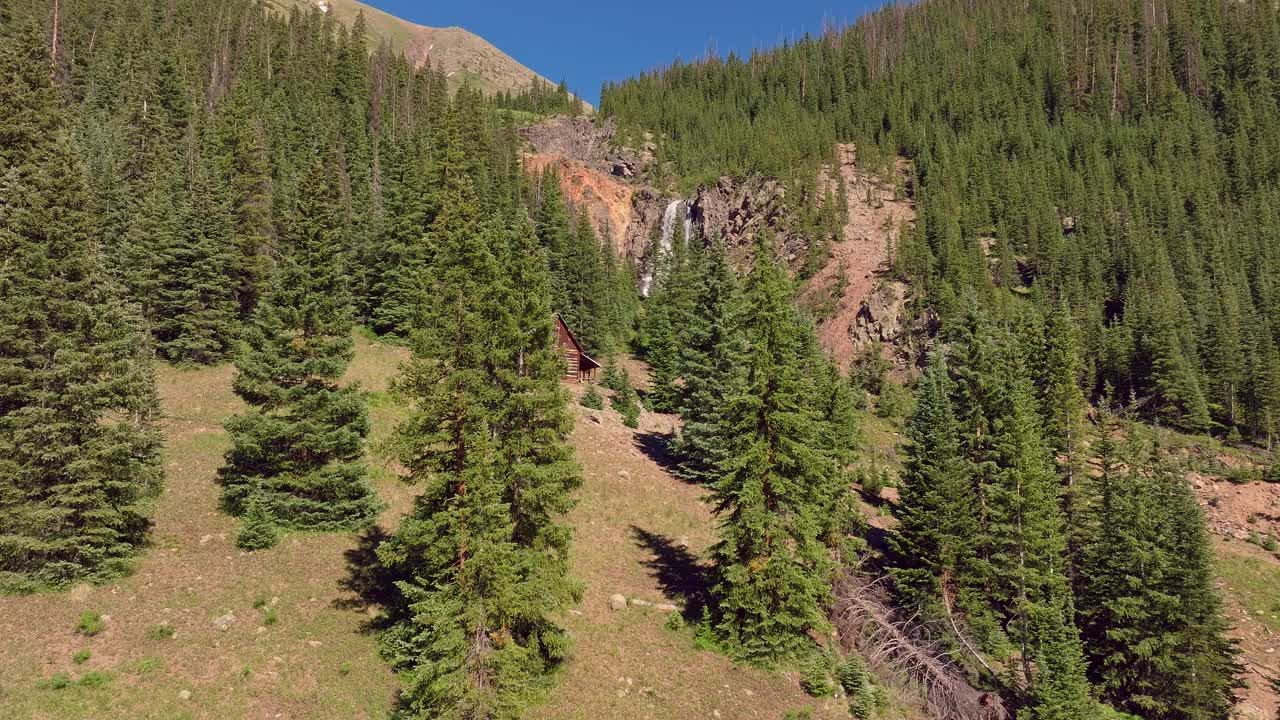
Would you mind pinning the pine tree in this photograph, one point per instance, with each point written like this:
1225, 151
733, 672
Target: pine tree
1061, 691
152, 231
1027, 543
482, 565
397, 270
532, 420
711, 364
671, 315
196, 309
938, 523
555, 233
1063, 407
772, 571
79, 449
1148, 609
977, 376
241, 162
585, 289
298, 451
1062, 400
258, 529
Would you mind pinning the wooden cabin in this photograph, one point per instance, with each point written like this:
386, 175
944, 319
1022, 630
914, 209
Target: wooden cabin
577, 364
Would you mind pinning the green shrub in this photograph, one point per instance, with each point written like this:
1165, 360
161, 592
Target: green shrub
856, 682
260, 602
816, 679
59, 681
161, 632
592, 399
894, 401
880, 696
873, 481
615, 378
1269, 544
869, 370
631, 416
1241, 475
270, 616
91, 623
800, 714
675, 621
704, 637
626, 404
93, 679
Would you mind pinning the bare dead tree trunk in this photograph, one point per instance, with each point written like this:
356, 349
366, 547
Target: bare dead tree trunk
901, 650
53, 40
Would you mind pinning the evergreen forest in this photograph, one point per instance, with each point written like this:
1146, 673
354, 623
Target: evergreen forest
1001, 525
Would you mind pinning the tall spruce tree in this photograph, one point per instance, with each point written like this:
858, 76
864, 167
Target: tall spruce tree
938, 523
241, 163
555, 233
711, 363
772, 572
401, 255
482, 566
1149, 613
298, 451
532, 419
79, 449
670, 315
196, 309
586, 292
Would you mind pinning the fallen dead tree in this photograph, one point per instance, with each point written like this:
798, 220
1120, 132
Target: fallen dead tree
900, 649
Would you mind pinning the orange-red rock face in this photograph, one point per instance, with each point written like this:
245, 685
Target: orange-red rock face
606, 199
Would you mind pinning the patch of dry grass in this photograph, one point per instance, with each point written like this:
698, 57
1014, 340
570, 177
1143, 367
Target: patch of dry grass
316, 661
641, 532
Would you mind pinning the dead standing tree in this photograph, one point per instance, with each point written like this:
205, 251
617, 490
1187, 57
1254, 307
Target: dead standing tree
900, 649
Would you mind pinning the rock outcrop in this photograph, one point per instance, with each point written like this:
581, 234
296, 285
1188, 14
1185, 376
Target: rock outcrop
735, 210
856, 302
606, 199
599, 177
582, 140
857, 306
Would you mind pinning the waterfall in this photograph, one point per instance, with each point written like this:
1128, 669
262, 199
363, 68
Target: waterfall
669, 216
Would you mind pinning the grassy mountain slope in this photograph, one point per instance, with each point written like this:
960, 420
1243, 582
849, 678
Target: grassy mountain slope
465, 56
206, 631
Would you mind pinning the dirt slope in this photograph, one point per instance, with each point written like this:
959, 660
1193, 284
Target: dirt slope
640, 532
857, 264
316, 661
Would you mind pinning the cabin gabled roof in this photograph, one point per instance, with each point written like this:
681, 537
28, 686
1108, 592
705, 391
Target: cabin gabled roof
584, 358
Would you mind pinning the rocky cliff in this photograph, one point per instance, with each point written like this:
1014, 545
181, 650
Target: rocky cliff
850, 293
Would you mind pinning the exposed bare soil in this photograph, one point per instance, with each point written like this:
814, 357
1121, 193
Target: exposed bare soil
861, 258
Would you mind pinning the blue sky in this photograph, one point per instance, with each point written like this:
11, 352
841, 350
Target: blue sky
587, 43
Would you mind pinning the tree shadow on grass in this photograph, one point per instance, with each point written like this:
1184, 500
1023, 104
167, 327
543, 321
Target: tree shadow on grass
879, 542
680, 573
370, 584
657, 447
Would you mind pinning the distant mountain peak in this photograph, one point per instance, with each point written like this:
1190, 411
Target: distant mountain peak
462, 55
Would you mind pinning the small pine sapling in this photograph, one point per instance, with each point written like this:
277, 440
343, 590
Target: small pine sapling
592, 399
258, 529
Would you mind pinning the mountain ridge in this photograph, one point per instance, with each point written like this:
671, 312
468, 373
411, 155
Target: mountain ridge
464, 56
